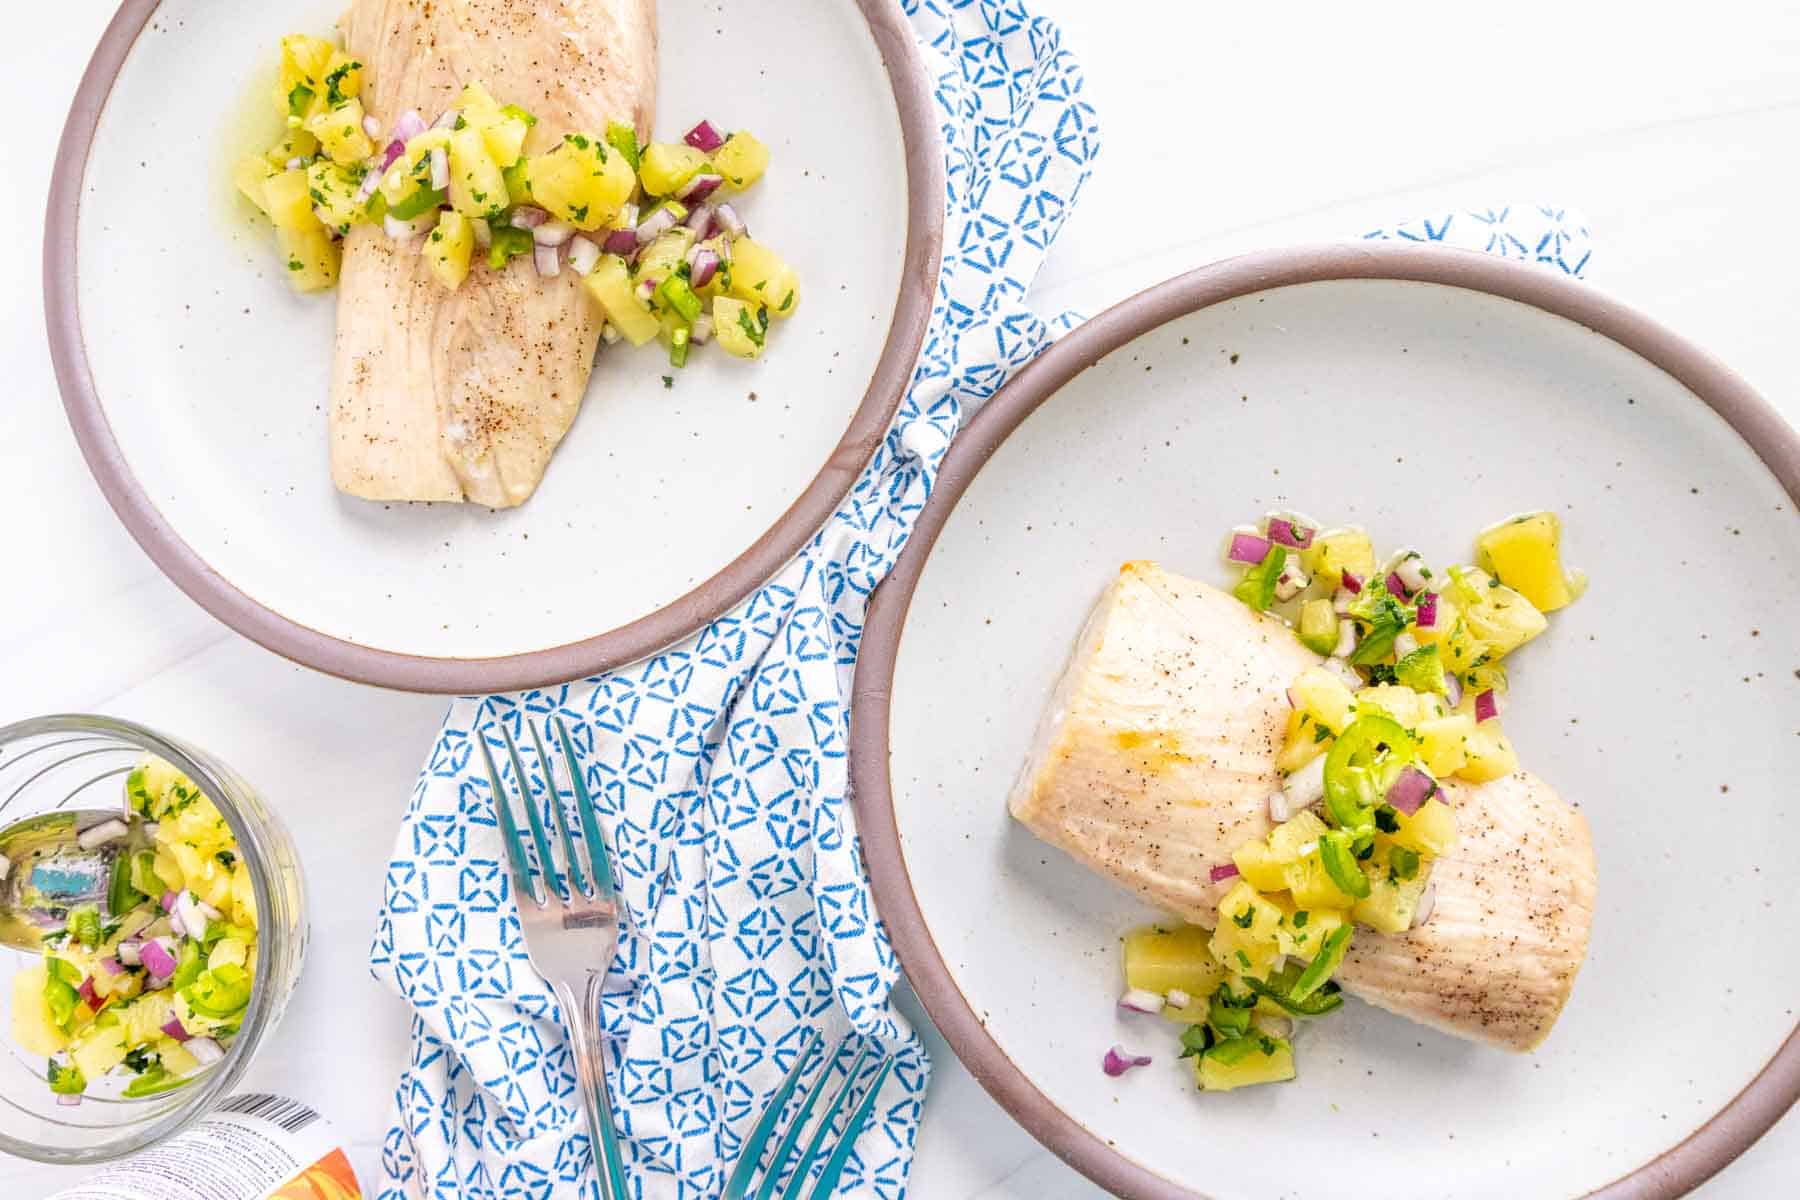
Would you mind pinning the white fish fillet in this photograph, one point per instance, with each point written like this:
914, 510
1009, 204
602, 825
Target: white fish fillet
1156, 758
465, 395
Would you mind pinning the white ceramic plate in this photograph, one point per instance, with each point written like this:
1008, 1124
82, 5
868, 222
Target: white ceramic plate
1401, 390
198, 383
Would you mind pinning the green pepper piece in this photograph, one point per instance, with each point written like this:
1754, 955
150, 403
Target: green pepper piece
61, 997
1257, 587
623, 138
300, 98
221, 992
121, 895
1318, 1004
418, 204
1361, 763
1236, 1050
154, 1082
65, 1080
1336, 852
518, 183
1422, 671
676, 293
678, 346
84, 925
143, 877
509, 243
517, 113
1387, 617
1328, 959
188, 966
1196, 1039
1403, 863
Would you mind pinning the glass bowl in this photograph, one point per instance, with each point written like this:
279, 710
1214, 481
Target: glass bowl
56, 762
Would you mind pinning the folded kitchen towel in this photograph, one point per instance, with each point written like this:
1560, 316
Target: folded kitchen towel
1547, 234
719, 766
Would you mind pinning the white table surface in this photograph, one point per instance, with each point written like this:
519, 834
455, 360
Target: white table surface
1226, 128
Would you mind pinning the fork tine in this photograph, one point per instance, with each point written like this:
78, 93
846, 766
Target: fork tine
553, 883
791, 1138
834, 1166
803, 1168
765, 1125
515, 850
577, 877
590, 828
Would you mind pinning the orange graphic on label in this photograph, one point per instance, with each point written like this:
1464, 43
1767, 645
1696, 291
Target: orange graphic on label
331, 1178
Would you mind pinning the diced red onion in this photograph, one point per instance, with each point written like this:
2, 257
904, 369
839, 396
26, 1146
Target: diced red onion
1487, 706
583, 256
549, 263
1427, 902
1291, 581
87, 993
370, 182
1346, 643
1290, 533
174, 1028
731, 222
402, 231
168, 902
128, 952
1178, 998
112, 966
1427, 618
609, 335
1353, 583
1452, 690
1141, 1001
704, 265
110, 830
1306, 787
205, 1050
527, 217
409, 125
69, 1101
1281, 1027
1395, 585
699, 188
703, 137
622, 241
1341, 600
446, 119
700, 219
1220, 874
1411, 570
703, 329
440, 168
194, 913
179, 926
390, 156
372, 126
1248, 548
295, 164
1278, 807
484, 233
628, 217
1413, 788
655, 225
1117, 1062
553, 233
646, 288
158, 959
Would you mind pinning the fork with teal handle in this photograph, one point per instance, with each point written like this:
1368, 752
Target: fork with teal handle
569, 914
824, 1131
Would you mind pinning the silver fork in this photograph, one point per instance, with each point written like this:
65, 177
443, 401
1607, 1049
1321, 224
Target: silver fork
750, 1158
571, 926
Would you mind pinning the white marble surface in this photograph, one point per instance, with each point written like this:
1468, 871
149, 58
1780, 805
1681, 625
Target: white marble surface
1244, 126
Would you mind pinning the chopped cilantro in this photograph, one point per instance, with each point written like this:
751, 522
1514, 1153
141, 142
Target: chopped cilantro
1301, 918
299, 100
749, 327
1245, 919
787, 301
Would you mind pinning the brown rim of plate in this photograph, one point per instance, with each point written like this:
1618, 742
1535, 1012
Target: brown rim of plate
645, 636
1679, 1169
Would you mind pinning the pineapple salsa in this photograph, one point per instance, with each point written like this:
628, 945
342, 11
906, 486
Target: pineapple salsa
1409, 694
150, 985
661, 252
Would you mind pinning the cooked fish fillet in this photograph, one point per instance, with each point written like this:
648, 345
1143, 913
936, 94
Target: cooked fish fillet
1156, 758
464, 395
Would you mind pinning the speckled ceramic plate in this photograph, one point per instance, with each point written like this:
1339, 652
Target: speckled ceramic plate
1423, 393
198, 384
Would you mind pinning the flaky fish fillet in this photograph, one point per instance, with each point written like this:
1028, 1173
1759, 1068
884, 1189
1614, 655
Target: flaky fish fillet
464, 395
1156, 759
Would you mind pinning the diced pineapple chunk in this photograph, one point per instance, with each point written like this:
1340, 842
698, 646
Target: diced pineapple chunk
411, 172
1525, 553
311, 257
477, 185
1331, 554
303, 64
287, 198
99, 1051
1323, 696
294, 143
449, 248
1312, 886
340, 132
250, 174
32, 1027
176, 1058
1247, 936
1496, 614
665, 167
580, 181
1259, 868
144, 1017
1490, 754
1431, 830
1245, 1062
1300, 744
610, 284
759, 276
1288, 843
1391, 902
663, 257
1172, 960
336, 196
741, 160
243, 895
1405, 706
739, 328
1442, 743
1303, 929
343, 77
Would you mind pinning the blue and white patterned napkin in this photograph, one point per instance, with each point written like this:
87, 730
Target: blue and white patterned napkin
719, 767
1546, 234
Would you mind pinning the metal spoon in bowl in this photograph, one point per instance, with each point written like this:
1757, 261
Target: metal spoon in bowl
56, 861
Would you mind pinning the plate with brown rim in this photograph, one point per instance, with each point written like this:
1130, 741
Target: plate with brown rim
197, 383
1423, 393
